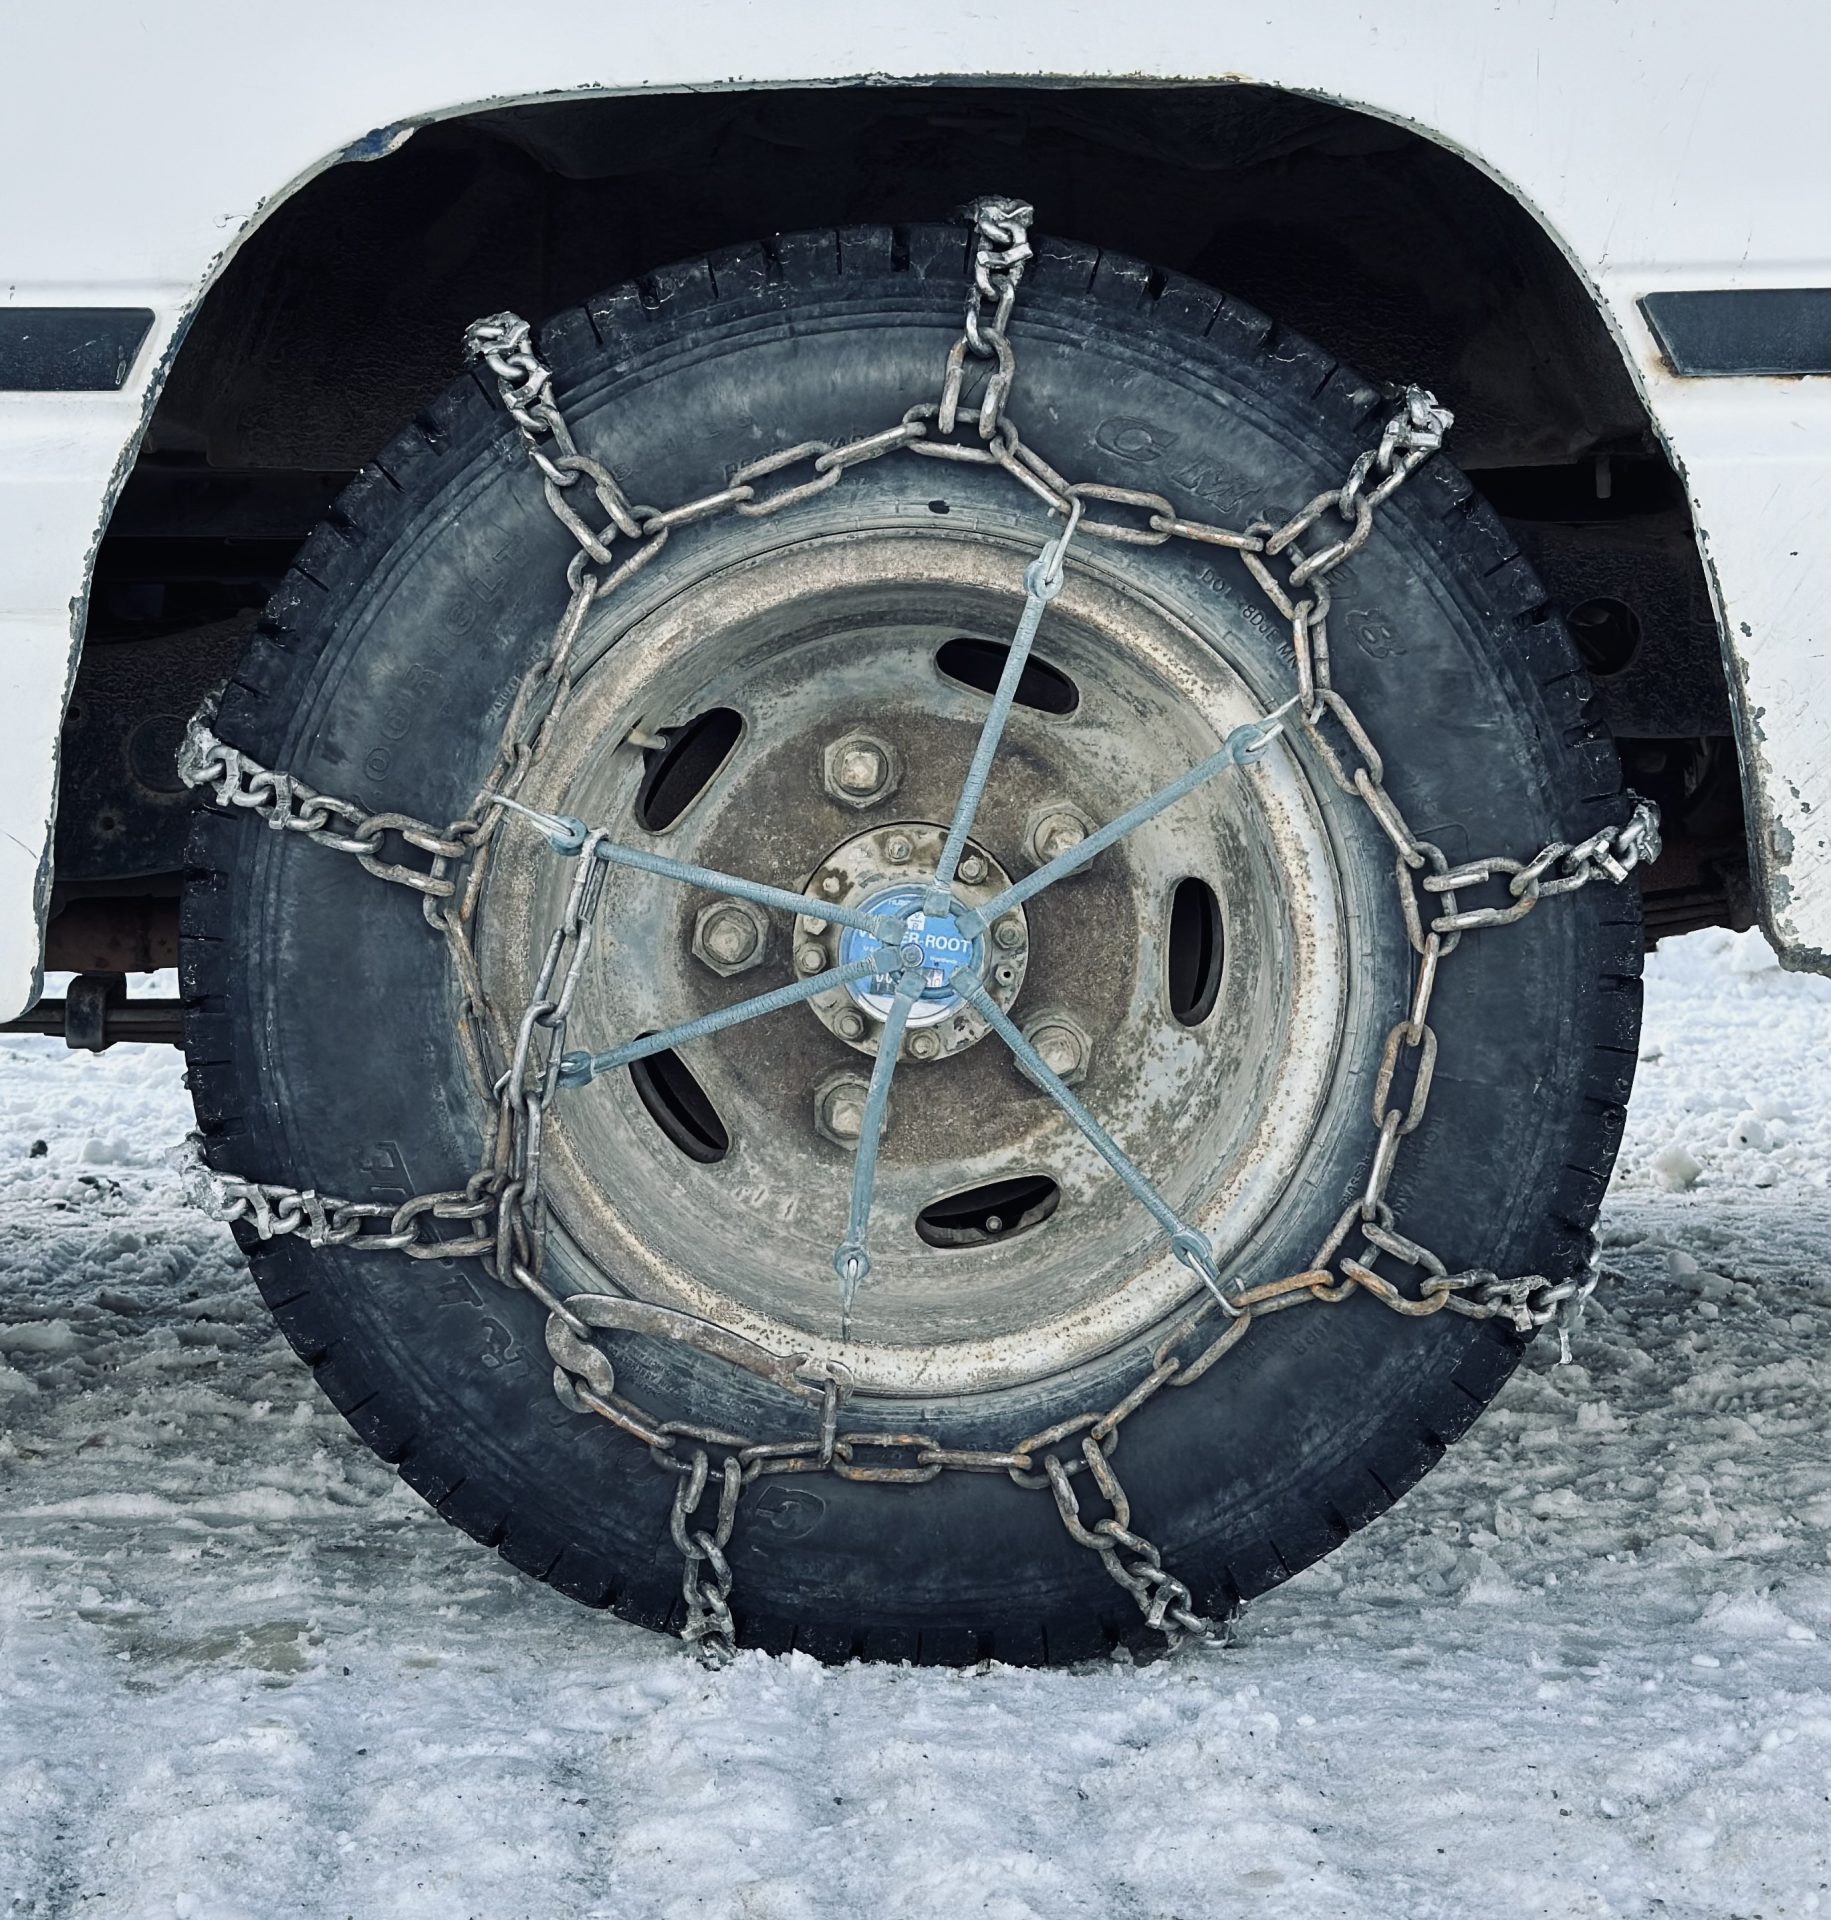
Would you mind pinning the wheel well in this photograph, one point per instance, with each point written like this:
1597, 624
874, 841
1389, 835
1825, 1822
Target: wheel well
340, 316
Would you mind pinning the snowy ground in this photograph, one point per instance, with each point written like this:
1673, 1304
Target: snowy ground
1585, 1669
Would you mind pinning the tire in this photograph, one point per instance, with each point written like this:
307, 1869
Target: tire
320, 1011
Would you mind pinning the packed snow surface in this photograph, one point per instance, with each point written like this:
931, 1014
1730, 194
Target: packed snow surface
1584, 1669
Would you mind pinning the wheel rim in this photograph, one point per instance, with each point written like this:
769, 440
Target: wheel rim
815, 645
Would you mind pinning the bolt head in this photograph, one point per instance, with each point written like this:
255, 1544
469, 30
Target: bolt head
839, 1109
860, 769
1009, 934
849, 1025
810, 959
1061, 1045
971, 869
898, 850
1060, 1052
1058, 835
729, 937
923, 1046
831, 885
1055, 830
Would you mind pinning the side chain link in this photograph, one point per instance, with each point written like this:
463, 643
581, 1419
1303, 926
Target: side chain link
498, 1215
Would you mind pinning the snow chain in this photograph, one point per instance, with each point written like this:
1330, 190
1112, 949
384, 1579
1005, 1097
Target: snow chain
498, 1216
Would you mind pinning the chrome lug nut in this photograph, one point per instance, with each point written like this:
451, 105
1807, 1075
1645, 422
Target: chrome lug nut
839, 1109
1062, 1045
860, 770
730, 936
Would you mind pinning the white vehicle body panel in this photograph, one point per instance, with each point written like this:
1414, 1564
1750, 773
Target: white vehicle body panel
1682, 147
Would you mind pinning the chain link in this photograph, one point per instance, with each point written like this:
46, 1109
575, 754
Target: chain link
499, 1212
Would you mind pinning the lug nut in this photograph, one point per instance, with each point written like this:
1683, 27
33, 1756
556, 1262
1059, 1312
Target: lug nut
923, 1046
839, 1111
860, 770
1009, 934
1061, 1045
729, 936
1055, 834
971, 869
897, 850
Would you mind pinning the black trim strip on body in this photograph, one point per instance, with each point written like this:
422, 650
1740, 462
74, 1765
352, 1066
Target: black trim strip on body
70, 349
1753, 330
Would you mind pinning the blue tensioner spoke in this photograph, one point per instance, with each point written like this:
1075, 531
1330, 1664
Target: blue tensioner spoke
1191, 1247
1245, 744
1043, 579
852, 1262
569, 835
579, 1068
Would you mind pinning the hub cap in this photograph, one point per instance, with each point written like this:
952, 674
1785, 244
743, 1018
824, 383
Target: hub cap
887, 871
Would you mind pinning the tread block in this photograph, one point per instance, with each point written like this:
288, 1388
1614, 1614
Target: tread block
619, 317
530, 1550
581, 1577
1186, 305
384, 1428
1303, 364
742, 273
1239, 327
568, 342
481, 1511
866, 252
685, 287
954, 1646
1121, 281
768, 1633
830, 1645
807, 259
1061, 266
934, 252
433, 1477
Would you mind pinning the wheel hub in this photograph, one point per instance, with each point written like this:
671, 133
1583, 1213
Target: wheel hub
887, 871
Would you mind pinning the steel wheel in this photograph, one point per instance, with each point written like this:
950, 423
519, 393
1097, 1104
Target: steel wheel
1190, 983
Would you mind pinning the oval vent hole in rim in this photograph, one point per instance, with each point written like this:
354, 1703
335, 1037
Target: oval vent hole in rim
677, 1104
1195, 949
978, 663
999, 1210
677, 774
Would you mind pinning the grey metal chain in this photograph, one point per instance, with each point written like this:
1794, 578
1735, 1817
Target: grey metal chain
499, 1212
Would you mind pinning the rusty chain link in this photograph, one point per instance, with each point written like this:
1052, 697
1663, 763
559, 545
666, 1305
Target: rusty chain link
497, 1217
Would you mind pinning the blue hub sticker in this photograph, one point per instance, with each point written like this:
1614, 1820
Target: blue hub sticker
944, 950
